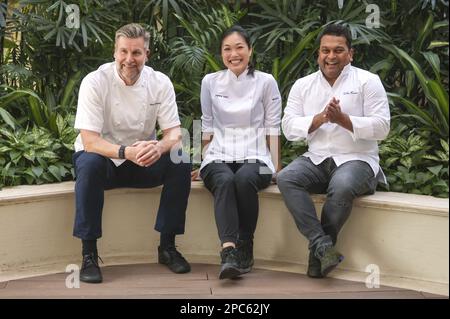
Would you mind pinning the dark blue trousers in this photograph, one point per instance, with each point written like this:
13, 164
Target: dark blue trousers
96, 173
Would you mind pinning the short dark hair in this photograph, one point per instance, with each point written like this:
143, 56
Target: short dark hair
337, 30
244, 34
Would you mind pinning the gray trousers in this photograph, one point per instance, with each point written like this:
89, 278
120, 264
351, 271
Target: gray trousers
341, 184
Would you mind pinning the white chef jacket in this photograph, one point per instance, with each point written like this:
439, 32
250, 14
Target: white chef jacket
361, 96
125, 114
240, 112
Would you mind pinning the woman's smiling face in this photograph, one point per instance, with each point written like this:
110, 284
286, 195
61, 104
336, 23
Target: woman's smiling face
236, 53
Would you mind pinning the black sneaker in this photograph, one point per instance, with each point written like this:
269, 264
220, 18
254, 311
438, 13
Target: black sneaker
245, 255
230, 265
314, 269
90, 270
172, 258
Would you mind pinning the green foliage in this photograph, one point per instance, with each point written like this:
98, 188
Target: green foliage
160, 10
49, 18
38, 112
435, 117
291, 150
2, 14
413, 165
283, 22
36, 156
415, 70
42, 62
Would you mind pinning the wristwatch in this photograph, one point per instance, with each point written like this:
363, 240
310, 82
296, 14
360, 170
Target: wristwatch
122, 151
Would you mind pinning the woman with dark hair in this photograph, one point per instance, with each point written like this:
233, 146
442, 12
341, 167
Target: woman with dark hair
241, 113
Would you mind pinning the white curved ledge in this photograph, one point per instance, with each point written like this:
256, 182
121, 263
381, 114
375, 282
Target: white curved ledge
405, 235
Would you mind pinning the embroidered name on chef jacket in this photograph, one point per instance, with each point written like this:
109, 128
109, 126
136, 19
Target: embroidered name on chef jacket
222, 96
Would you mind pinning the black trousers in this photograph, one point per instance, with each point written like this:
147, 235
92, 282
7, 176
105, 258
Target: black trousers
95, 173
235, 188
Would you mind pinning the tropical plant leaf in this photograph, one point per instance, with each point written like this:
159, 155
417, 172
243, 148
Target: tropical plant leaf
8, 118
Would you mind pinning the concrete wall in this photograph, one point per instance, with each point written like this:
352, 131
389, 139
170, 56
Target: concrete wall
405, 235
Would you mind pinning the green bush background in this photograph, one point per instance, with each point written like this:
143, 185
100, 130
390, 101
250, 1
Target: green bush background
42, 62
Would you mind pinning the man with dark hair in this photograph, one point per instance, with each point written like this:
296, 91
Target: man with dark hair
338, 31
118, 107
342, 111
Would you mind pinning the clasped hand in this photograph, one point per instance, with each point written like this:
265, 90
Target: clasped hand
145, 153
332, 112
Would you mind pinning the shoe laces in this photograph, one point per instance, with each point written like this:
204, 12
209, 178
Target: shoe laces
91, 259
321, 250
229, 255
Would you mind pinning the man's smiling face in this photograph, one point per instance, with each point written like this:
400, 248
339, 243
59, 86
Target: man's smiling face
130, 56
334, 55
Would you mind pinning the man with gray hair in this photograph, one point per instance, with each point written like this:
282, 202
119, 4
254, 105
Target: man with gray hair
118, 107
